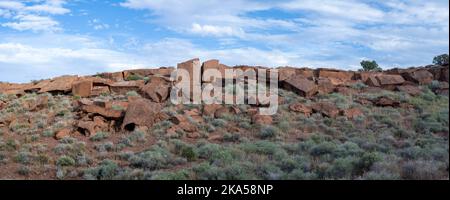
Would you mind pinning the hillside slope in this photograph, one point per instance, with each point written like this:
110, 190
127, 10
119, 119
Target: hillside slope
330, 124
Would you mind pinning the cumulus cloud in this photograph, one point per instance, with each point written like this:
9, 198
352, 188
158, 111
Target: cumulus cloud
216, 30
33, 23
32, 15
270, 33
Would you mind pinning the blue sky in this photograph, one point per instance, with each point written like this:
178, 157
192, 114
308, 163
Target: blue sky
46, 38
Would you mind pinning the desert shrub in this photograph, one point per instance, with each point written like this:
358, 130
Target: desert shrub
299, 174
239, 171
219, 122
23, 157
245, 125
341, 101
155, 158
107, 170
382, 175
178, 175
342, 168
424, 170
9, 145
99, 136
358, 86
217, 154
70, 147
228, 137
323, 148
104, 147
24, 170
117, 107
48, 133
284, 125
187, 151
260, 147
132, 94
134, 77
411, 153
348, 149
268, 131
269, 171
137, 136
366, 161
206, 171
65, 161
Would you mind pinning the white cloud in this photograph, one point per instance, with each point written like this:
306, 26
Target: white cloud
11, 5
98, 25
205, 17
36, 15
219, 31
33, 23
347, 9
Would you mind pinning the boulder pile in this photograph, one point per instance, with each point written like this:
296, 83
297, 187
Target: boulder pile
153, 87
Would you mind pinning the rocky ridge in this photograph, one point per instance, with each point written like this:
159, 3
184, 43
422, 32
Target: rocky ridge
153, 88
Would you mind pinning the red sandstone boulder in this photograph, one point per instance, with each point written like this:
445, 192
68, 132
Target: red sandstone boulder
2, 105
419, 76
210, 109
91, 128
301, 108
141, 112
327, 109
82, 88
126, 86
158, 90
352, 113
262, 119
99, 90
194, 68
183, 123
345, 91
301, 86
285, 73
325, 86
385, 102
385, 79
337, 77
64, 133
372, 81
60, 84
213, 64
409, 89
101, 110
116, 76
40, 103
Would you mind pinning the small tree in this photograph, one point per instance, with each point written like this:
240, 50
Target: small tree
441, 59
370, 66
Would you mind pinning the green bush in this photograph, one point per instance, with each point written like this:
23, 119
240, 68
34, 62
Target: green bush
261, 147
268, 131
441, 59
342, 168
65, 161
370, 65
219, 122
178, 175
132, 94
23, 157
323, 148
107, 170
99, 136
155, 158
134, 77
